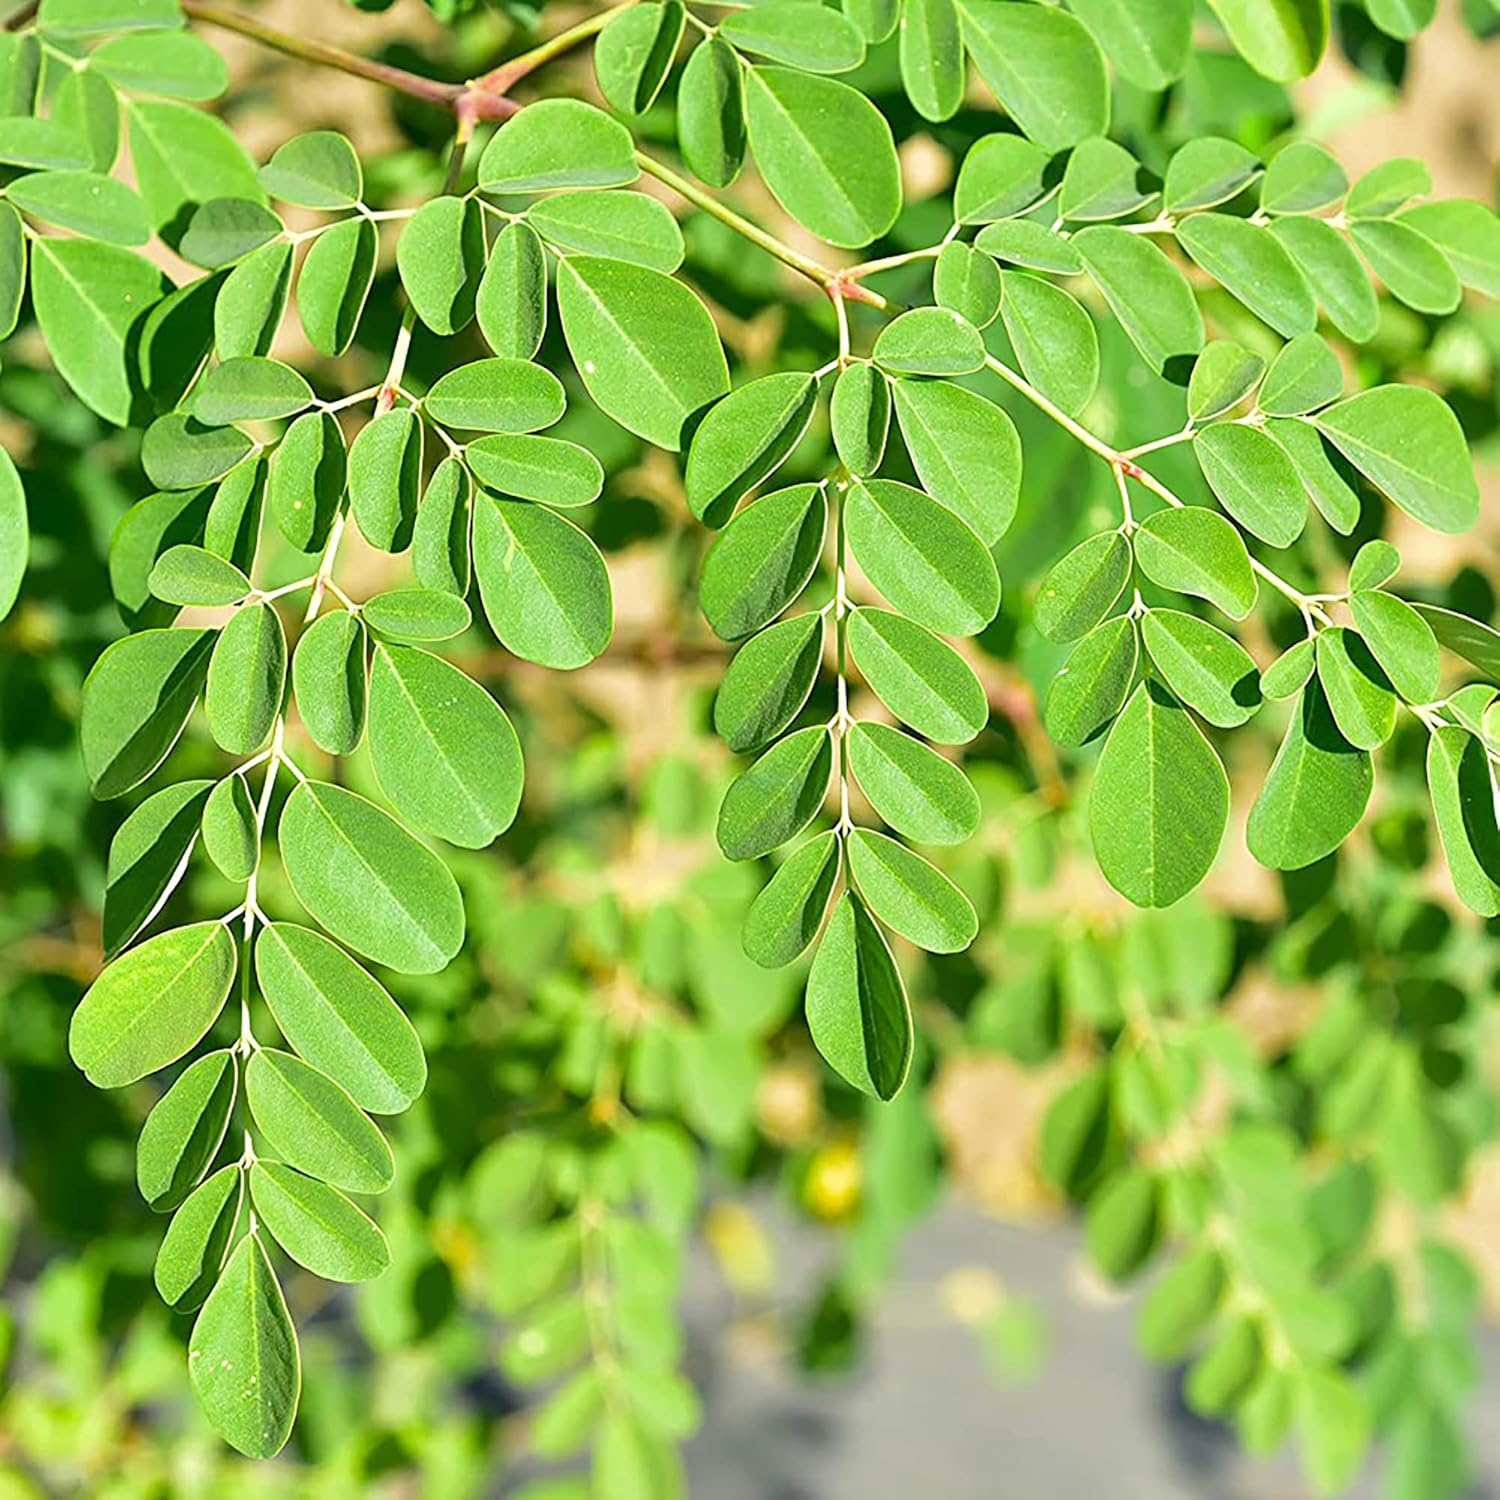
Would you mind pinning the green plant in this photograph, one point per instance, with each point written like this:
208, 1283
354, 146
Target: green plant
1057, 247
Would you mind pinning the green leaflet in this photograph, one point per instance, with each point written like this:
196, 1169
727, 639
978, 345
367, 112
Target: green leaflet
558, 143
1358, 692
178, 452
547, 469
147, 856
1376, 562
305, 486
440, 536
88, 110
1194, 550
368, 881
12, 268
444, 752
921, 679
1102, 181
246, 679
183, 1133
857, 1009
825, 152
316, 170
1281, 38
544, 585
1001, 175
249, 389
87, 298
385, 477
231, 836
1303, 377
1300, 178
644, 345
1206, 172
314, 1125
184, 157
622, 226
913, 788
1387, 187
69, 18
1336, 501
1054, 339
185, 574
496, 395
1092, 686
776, 29
1043, 66
966, 452
1125, 1223
416, 615
778, 796
932, 57
1180, 1304
967, 281
440, 256
251, 300
785, 917
1159, 803
511, 304
1477, 643
768, 681
1463, 807
223, 230
910, 895
1147, 40
1079, 1136
1024, 242
1147, 293
859, 414
763, 560
193, 1249
177, 64
144, 532
1315, 792
317, 1225
175, 338
328, 681
88, 203
1223, 375
1467, 233
929, 341
243, 1355
922, 557
744, 439
334, 282
1406, 441
634, 54
153, 1005
1248, 261
340, 1018
1402, 641
1208, 670
711, 127
1082, 587
1254, 480
1413, 269
136, 700
1334, 273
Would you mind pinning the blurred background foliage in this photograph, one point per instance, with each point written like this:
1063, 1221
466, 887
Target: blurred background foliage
1274, 1103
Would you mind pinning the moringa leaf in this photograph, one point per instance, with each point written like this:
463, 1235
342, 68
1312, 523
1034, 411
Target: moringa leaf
1281, 38
912, 787
857, 1010
329, 682
152, 1005
185, 574
1082, 587
778, 796
1401, 640
246, 679
440, 257
1159, 803
859, 414
511, 304
711, 126
1333, 272
1209, 671
1054, 339
634, 54
1194, 550
318, 169
147, 857
1301, 178
1001, 175
1223, 375
416, 615
444, 752
243, 1355
1148, 294
1255, 481
921, 679
197, 1240
785, 917
368, 881
622, 226
1359, 694
305, 485
929, 341
1093, 684
251, 300
778, 30
334, 283
184, 1131
231, 833
1250, 263
1303, 377
314, 1125
529, 467
558, 143
909, 895
339, 1018
763, 560
768, 682
496, 395
385, 478
440, 535
1460, 783
317, 1225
